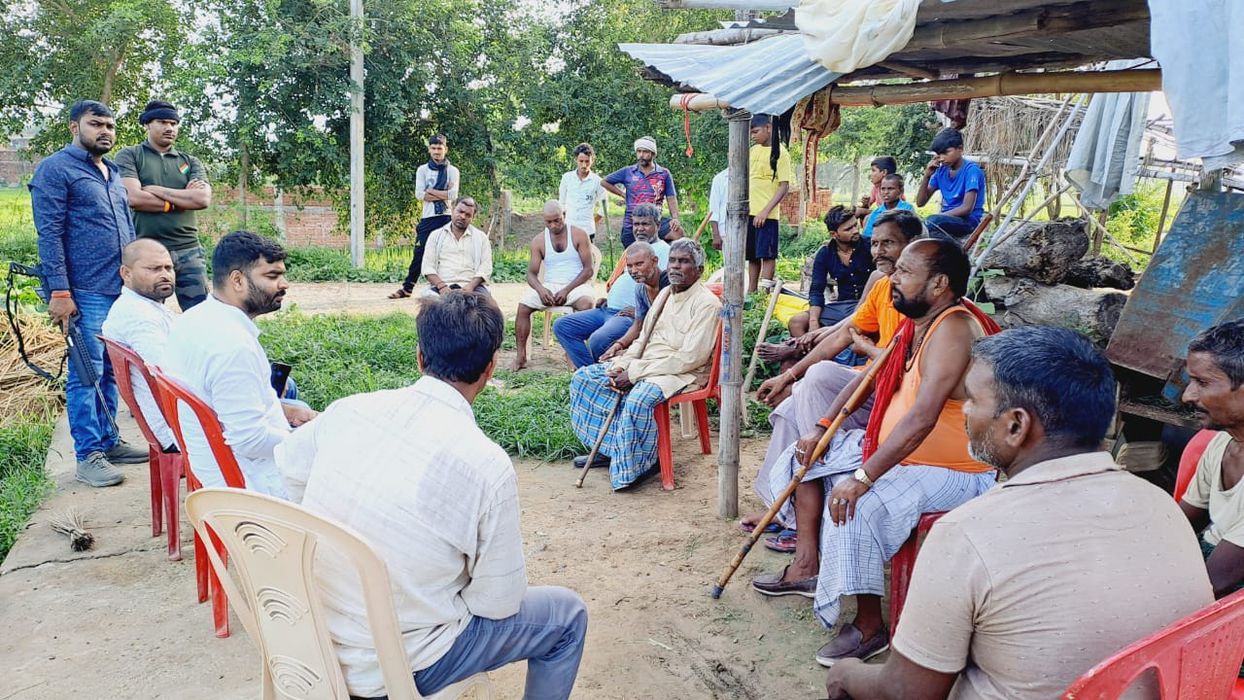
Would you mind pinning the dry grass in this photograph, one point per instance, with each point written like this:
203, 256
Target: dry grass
23, 393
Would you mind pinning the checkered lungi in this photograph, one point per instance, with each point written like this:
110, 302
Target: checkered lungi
631, 442
853, 555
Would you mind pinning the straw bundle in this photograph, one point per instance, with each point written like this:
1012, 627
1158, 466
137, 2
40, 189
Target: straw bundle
1002, 128
22, 392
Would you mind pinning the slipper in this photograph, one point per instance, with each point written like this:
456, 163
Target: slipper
747, 529
401, 293
783, 542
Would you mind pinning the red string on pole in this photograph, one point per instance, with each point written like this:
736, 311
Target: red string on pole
685, 101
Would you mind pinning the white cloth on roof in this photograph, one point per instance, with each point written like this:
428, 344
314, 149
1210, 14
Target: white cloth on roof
1104, 159
845, 35
143, 324
1200, 46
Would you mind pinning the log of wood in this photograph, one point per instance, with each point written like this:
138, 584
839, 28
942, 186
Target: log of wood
1100, 271
1025, 302
1040, 250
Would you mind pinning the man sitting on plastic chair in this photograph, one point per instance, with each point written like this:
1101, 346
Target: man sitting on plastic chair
411, 472
1020, 591
673, 352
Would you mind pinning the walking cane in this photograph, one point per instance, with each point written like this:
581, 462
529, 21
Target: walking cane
857, 398
760, 337
658, 307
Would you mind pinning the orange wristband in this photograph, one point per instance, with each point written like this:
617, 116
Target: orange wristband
825, 422
168, 206
62, 294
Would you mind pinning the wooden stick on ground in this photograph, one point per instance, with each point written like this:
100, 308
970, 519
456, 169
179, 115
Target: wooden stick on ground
764, 329
856, 399
604, 430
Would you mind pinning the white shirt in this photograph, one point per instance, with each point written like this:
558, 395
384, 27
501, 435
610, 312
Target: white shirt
144, 325
214, 350
458, 260
409, 470
580, 198
719, 196
425, 179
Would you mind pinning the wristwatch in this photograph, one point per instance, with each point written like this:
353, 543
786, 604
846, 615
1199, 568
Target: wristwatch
862, 476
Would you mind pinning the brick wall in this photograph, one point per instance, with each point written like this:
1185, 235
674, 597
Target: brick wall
816, 208
14, 167
309, 220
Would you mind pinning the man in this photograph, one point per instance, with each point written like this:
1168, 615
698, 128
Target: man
585, 335
1212, 502
891, 191
565, 254
214, 350
459, 256
166, 187
915, 459
718, 200
644, 267
673, 353
436, 185
645, 182
580, 192
1017, 593
962, 184
846, 263
877, 170
769, 176
410, 471
83, 221
140, 319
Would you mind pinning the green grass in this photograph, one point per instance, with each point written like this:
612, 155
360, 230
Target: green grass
23, 483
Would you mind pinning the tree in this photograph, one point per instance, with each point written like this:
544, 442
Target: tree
902, 131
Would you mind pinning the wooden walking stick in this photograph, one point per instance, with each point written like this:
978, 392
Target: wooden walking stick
764, 328
857, 398
657, 308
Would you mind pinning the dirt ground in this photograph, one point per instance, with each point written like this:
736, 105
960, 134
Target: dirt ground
122, 621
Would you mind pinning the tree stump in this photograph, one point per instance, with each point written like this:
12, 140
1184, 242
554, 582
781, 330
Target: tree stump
1100, 272
1040, 250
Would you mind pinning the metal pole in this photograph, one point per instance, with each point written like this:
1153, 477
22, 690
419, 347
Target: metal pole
732, 317
356, 133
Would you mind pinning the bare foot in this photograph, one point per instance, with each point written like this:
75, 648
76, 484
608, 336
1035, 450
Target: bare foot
751, 520
519, 364
778, 352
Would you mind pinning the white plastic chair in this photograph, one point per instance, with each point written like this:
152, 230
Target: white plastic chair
272, 545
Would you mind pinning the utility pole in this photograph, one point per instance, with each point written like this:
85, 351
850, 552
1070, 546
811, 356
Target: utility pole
732, 316
356, 133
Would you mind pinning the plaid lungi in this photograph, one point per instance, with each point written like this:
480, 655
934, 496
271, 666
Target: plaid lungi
631, 442
843, 456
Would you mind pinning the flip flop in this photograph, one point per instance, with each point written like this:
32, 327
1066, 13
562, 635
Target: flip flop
782, 543
401, 293
747, 529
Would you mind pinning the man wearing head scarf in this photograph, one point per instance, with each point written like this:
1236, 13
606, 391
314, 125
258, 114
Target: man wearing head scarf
645, 182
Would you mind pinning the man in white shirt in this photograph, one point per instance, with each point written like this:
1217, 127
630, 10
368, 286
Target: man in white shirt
140, 319
459, 256
559, 274
411, 472
214, 350
718, 200
436, 185
580, 192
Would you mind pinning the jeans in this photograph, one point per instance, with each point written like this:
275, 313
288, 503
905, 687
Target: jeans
598, 328
88, 415
950, 228
423, 229
191, 270
548, 631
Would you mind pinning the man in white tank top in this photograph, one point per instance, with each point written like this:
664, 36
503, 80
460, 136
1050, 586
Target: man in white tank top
559, 274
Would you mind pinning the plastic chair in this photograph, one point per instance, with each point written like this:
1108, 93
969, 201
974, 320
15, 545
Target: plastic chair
699, 401
274, 592
902, 564
1196, 657
1189, 459
166, 468
172, 393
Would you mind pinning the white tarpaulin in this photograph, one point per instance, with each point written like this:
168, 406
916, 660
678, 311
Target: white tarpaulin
845, 35
1104, 158
1200, 46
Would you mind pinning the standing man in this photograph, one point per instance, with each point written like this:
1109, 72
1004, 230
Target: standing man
166, 187
645, 182
83, 221
580, 192
436, 185
769, 176
460, 255
718, 200
962, 184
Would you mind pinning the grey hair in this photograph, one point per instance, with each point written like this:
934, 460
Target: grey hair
641, 247
693, 247
1224, 343
649, 210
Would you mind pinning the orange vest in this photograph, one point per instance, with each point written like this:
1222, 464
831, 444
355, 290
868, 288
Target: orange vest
947, 444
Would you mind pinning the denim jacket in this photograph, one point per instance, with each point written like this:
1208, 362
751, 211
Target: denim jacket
83, 222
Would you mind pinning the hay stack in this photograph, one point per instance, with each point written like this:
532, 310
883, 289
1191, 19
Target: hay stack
22, 392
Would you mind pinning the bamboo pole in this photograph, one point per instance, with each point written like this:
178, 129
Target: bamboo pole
760, 337
732, 317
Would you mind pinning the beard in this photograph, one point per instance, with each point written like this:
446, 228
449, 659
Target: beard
983, 450
95, 149
911, 308
258, 303
158, 292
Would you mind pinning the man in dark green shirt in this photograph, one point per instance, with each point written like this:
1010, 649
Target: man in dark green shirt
165, 188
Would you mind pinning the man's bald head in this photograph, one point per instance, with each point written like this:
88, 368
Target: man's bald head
554, 217
147, 269
140, 247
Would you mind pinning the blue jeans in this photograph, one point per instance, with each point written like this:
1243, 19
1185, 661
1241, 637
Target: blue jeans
950, 228
88, 421
548, 631
585, 335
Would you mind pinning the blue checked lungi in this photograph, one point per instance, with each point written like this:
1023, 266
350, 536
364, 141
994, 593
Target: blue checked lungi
631, 442
853, 555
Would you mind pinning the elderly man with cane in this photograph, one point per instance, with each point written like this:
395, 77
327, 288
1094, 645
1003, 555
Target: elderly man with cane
612, 403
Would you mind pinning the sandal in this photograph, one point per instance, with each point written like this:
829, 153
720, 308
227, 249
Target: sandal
747, 529
782, 543
401, 293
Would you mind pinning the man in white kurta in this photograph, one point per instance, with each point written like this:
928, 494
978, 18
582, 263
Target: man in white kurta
458, 255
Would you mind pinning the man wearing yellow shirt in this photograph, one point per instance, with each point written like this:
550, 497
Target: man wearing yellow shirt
769, 176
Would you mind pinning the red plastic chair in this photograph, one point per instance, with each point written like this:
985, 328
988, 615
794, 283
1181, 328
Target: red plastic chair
172, 393
1196, 657
902, 564
166, 468
699, 401
1189, 459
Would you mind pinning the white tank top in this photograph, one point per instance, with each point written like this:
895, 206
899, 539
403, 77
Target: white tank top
560, 268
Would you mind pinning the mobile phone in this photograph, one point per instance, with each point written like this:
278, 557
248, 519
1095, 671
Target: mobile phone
280, 377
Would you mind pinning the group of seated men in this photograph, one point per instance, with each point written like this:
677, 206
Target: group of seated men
444, 518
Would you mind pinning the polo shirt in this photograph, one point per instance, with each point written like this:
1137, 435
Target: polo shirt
1024, 588
763, 180
579, 198
177, 230
954, 188
876, 214
652, 188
